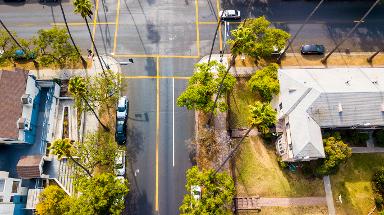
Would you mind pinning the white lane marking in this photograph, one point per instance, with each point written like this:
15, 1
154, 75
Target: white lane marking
173, 123
137, 172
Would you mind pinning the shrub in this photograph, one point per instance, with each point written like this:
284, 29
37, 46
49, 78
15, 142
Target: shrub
281, 163
379, 137
336, 152
379, 202
378, 180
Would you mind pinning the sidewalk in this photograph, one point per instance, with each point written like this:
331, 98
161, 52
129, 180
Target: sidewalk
246, 66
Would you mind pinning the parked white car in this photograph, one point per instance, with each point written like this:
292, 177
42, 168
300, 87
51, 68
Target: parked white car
120, 163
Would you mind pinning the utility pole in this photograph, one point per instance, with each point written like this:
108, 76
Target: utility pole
299, 30
214, 37
324, 60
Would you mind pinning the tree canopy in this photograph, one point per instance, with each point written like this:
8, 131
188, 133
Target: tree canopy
52, 47
217, 191
265, 82
336, 152
52, 201
203, 85
255, 37
262, 116
100, 195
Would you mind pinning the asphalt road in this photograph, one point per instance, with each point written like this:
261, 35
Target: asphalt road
328, 25
165, 38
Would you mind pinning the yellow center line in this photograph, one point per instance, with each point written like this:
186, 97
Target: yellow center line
218, 19
95, 14
80, 23
197, 27
157, 133
116, 27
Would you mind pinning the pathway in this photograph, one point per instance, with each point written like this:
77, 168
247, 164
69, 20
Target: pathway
328, 195
255, 203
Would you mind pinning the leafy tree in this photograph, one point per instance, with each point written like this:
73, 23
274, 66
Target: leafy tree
77, 86
7, 45
265, 82
262, 116
203, 85
52, 201
63, 148
336, 152
217, 191
98, 150
54, 48
105, 89
255, 37
378, 180
100, 195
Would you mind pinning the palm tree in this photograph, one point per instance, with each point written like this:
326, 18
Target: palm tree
77, 87
84, 8
324, 60
262, 117
70, 36
62, 148
299, 30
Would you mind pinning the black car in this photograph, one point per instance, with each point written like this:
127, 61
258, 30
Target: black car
121, 132
312, 49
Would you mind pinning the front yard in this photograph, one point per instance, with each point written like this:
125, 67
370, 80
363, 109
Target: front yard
353, 183
258, 173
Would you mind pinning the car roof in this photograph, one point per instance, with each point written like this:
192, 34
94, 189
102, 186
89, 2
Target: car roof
122, 101
231, 11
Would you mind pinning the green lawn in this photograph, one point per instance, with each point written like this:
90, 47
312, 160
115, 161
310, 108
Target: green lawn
305, 210
239, 99
353, 183
258, 173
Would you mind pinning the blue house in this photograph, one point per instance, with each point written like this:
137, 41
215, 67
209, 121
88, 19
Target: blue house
27, 121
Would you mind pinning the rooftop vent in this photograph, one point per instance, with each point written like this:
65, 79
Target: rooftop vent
340, 107
291, 90
26, 99
374, 82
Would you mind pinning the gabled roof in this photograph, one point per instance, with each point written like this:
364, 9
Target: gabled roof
340, 97
12, 87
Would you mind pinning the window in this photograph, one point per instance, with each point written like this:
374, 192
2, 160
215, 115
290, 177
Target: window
2, 183
15, 186
1, 198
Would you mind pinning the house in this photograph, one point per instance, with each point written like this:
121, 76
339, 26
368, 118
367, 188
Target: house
313, 99
13, 195
28, 113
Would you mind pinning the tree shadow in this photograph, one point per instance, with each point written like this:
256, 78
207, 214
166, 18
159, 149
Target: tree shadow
153, 34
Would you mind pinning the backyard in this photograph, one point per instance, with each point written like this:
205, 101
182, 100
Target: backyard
258, 173
353, 184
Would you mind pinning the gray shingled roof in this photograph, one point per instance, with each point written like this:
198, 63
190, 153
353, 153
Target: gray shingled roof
338, 97
357, 109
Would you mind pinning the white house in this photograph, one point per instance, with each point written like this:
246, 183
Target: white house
311, 99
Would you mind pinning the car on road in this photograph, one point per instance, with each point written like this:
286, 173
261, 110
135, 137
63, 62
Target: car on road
312, 49
227, 15
121, 132
196, 192
120, 163
122, 108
